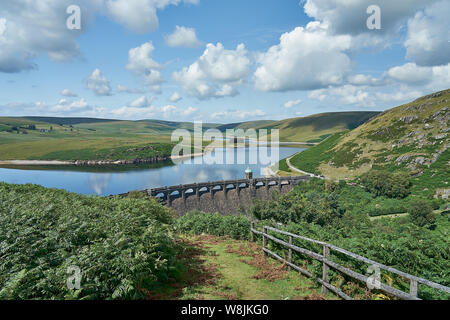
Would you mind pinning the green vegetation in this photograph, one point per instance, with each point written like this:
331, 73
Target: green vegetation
412, 138
220, 268
47, 138
341, 218
198, 223
120, 153
383, 183
122, 246
421, 213
309, 159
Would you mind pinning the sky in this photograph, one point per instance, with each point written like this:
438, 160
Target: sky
219, 61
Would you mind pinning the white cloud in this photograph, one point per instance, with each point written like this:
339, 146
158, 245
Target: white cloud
140, 63
346, 94
133, 113
367, 97
227, 91
436, 78
2, 26
121, 89
237, 114
98, 83
63, 107
364, 80
215, 73
146, 112
189, 111
350, 17
68, 93
427, 42
306, 58
183, 37
31, 28
141, 102
175, 97
292, 103
139, 15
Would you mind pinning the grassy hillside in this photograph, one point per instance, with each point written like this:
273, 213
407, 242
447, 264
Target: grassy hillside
412, 137
317, 127
314, 128
49, 138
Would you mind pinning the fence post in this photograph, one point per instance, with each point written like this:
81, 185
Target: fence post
290, 253
326, 254
252, 235
264, 239
413, 288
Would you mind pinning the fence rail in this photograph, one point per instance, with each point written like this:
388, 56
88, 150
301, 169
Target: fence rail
327, 264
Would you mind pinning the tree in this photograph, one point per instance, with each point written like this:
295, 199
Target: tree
383, 183
421, 213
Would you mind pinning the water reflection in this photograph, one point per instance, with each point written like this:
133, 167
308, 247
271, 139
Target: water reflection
99, 183
120, 179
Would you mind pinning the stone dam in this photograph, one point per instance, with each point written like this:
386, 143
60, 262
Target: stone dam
226, 196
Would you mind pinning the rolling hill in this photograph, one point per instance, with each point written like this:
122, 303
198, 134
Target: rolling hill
412, 137
42, 138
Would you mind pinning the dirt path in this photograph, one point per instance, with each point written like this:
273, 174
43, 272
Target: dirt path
225, 269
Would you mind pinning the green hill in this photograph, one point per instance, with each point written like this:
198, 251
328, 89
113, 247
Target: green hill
412, 137
26, 138
317, 127
314, 128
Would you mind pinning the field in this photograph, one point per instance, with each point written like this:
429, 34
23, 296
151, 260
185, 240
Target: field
44, 138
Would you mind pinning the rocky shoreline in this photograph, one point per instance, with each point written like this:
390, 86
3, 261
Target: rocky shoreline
95, 162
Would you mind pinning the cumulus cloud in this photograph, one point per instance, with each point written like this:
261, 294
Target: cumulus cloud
175, 97
292, 103
139, 15
141, 63
63, 107
216, 72
68, 93
183, 37
436, 78
306, 58
98, 83
427, 41
31, 28
141, 102
350, 17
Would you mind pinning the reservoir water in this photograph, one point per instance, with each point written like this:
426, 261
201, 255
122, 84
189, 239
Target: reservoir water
121, 179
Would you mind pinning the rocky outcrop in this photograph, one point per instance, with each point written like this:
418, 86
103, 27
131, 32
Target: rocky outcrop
408, 119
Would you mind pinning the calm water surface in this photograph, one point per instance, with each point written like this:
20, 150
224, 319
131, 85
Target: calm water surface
114, 180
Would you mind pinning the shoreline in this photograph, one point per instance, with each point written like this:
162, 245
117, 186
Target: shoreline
208, 149
95, 162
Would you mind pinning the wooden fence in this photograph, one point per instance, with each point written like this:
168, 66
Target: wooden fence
327, 264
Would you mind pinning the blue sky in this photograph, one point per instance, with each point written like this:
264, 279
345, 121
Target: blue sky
229, 61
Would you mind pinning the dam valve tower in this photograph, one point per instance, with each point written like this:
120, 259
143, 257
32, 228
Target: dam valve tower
248, 174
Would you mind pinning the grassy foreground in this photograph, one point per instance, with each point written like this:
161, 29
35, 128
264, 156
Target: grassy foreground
220, 268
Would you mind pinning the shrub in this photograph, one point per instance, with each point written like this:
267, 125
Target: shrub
120, 245
237, 227
383, 183
421, 213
